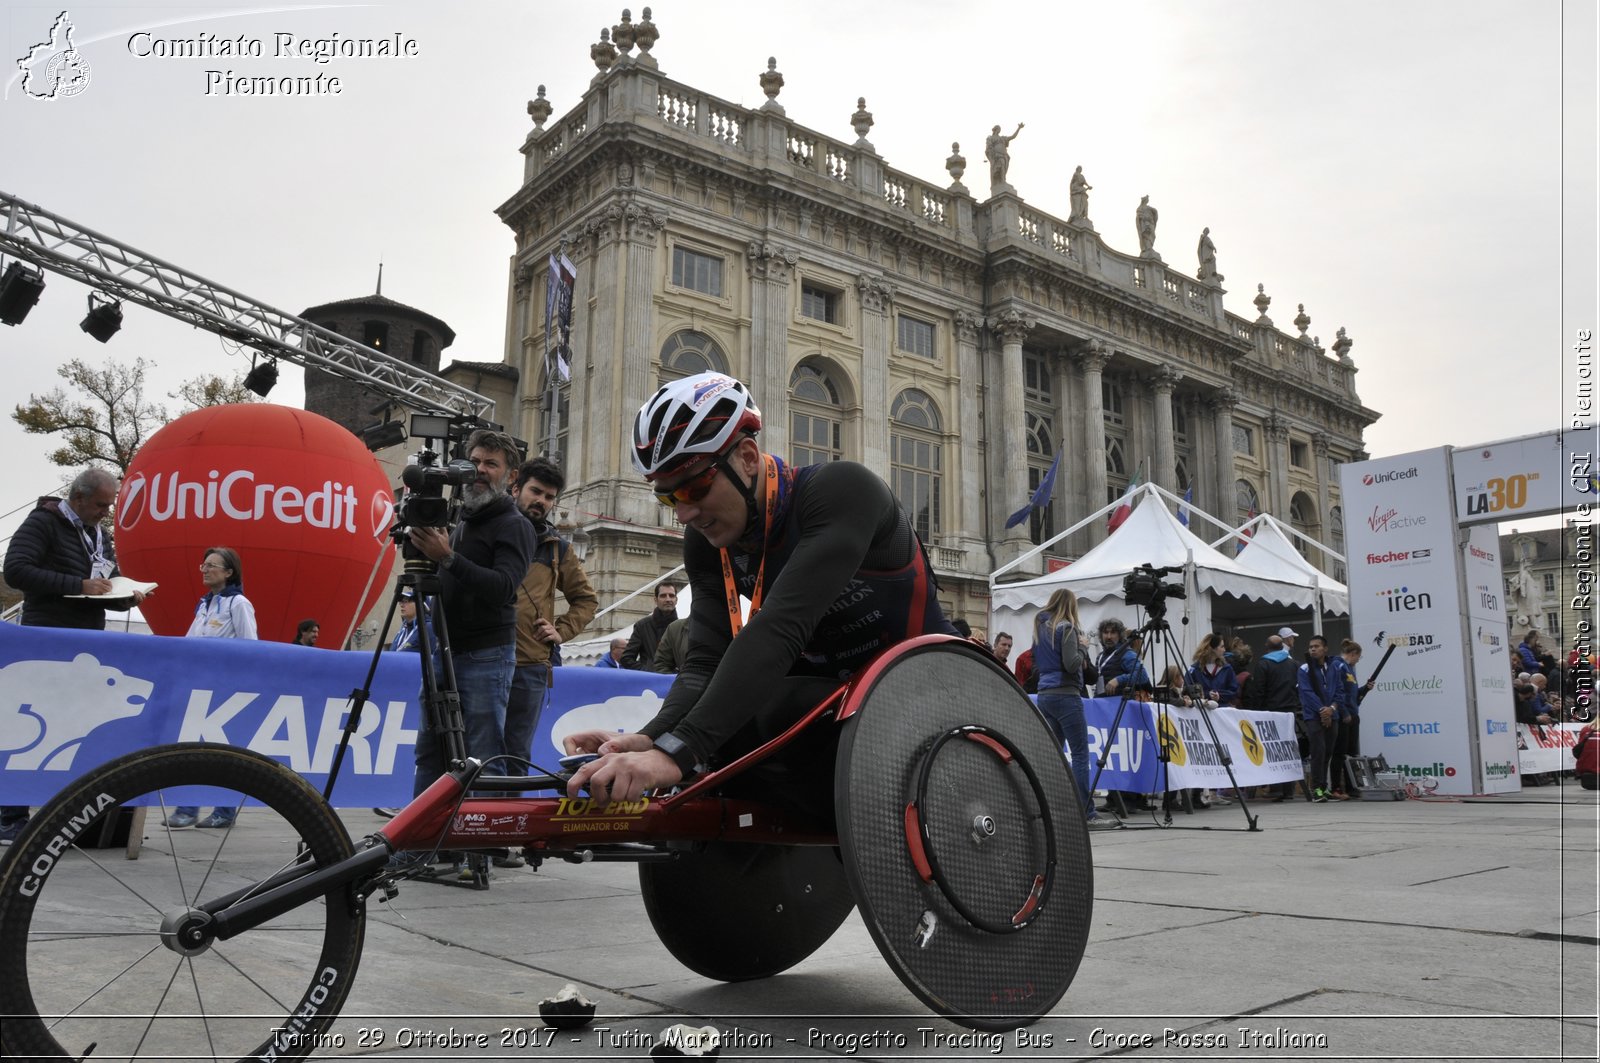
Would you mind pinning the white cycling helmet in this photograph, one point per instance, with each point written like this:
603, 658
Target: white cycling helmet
698, 415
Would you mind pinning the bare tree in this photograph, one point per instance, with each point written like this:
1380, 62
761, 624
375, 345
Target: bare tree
105, 417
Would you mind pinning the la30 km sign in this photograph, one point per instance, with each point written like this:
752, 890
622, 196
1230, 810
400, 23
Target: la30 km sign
1499, 493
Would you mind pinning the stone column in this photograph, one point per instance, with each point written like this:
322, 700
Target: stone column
1223, 402
969, 483
1319, 450
877, 310
641, 232
1092, 359
1162, 381
771, 271
1277, 432
1013, 327
596, 298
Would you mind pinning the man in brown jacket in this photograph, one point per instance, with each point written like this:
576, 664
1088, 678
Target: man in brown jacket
540, 632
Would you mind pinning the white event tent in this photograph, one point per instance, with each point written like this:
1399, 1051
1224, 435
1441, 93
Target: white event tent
1152, 535
1269, 552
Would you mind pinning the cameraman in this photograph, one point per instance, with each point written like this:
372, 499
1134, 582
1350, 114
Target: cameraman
482, 561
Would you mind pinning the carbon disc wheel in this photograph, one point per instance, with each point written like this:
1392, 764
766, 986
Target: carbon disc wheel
962, 841
105, 953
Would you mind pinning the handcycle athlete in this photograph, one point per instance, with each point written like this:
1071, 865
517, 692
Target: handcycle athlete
842, 751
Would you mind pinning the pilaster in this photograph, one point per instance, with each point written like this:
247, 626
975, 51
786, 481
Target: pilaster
877, 307
771, 272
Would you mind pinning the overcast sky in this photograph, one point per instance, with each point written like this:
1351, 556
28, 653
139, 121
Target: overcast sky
1396, 166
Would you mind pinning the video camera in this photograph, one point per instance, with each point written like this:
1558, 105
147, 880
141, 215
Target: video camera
424, 504
1143, 587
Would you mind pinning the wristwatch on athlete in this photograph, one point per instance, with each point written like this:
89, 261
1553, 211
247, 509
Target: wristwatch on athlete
681, 754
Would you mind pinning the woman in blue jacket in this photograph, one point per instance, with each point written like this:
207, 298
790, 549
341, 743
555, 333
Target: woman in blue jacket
1213, 673
1058, 652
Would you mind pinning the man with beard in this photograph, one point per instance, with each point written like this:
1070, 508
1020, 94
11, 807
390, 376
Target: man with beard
641, 652
482, 562
540, 632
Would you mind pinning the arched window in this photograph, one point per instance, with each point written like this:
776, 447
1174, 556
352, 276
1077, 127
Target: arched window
1336, 539
915, 459
1246, 501
1116, 469
814, 419
1181, 475
687, 352
1111, 400
1303, 518
1041, 452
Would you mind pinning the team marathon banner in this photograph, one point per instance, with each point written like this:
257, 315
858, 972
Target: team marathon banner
1261, 747
76, 699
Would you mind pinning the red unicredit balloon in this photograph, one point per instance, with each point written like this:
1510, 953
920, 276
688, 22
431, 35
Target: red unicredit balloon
306, 506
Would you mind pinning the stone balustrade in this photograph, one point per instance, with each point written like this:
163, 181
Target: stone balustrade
766, 137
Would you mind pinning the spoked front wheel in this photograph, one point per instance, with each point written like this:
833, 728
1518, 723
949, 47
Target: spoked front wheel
103, 953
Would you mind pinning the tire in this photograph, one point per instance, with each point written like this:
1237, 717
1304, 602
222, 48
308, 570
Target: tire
82, 960
782, 903
991, 815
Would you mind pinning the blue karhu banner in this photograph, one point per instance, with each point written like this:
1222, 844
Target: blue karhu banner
71, 700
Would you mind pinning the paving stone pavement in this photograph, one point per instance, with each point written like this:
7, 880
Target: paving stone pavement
1420, 930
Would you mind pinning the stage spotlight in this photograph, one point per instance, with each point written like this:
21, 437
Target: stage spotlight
262, 378
383, 435
104, 318
19, 290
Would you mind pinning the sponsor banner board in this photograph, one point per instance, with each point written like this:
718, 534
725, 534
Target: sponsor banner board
1518, 478
1489, 656
1400, 535
1542, 749
76, 699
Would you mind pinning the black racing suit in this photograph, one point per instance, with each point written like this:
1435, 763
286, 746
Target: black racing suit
845, 578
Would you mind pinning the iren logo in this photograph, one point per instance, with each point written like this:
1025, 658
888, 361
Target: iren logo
1401, 600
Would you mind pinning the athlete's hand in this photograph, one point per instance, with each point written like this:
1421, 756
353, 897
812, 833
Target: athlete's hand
624, 776
605, 742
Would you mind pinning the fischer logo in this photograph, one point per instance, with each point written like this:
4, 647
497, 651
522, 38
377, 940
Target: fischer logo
1400, 730
167, 496
1434, 770
1390, 556
1389, 477
1389, 520
1496, 727
1481, 555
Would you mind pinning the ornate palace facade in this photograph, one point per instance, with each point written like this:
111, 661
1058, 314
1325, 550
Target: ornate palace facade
952, 344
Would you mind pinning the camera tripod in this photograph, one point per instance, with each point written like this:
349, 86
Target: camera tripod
1160, 645
441, 699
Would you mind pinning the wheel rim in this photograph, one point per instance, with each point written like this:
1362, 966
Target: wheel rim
112, 952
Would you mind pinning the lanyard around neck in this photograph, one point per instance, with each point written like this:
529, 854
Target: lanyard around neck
730, 586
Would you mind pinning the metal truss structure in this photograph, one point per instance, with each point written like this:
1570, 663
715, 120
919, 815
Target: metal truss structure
54, 243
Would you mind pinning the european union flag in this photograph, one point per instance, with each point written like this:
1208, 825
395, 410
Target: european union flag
1041, 494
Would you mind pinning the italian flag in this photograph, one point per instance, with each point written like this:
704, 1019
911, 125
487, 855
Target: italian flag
1124, 507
